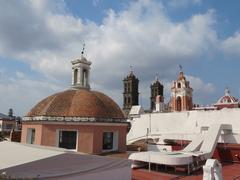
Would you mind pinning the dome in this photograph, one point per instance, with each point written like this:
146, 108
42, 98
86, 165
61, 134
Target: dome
78, 103
227, 98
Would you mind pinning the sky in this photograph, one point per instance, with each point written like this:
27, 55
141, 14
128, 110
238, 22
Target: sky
39, 38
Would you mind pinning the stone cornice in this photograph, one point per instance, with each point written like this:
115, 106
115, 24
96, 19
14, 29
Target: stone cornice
72, 119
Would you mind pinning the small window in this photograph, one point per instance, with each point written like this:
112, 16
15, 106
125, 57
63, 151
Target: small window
31, 136
179, 85
85, 77
75, 76
67, 139
107, 140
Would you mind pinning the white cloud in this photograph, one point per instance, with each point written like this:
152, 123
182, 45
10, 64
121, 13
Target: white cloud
202, 90
231, 46
21, 93
45, 36
183, 3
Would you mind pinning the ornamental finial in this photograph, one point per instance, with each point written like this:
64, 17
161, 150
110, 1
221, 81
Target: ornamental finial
83, 48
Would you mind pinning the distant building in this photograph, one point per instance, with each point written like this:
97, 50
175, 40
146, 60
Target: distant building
156, 90
9, 122
130, 94
181, 94
78, 118
227, 101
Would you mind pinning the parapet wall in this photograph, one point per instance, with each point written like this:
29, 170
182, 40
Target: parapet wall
185, 125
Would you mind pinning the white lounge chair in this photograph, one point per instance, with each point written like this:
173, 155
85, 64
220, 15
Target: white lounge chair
198, 150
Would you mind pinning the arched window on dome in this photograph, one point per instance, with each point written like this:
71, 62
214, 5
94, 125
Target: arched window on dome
75, 76
85, 77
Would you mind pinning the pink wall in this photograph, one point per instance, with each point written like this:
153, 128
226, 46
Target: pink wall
38, 132
90, 137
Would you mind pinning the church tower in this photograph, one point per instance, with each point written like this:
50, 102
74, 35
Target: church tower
81, 72
130, 94
156, 90
181, 94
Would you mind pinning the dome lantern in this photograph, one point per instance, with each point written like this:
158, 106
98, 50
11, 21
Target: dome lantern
81, 72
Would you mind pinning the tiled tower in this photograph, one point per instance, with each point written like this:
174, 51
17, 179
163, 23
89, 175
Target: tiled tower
130, 94
156, 90
181, 94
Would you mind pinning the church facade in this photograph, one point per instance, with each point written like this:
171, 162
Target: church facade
181, 94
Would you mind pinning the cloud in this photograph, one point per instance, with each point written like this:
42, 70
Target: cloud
231, 45
46, 36
183, 3
22, 92
201, 90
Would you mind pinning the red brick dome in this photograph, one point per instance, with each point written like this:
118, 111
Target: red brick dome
78, 103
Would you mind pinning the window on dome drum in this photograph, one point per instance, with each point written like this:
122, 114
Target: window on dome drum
107, 140
75, 76
67, 139
30, 136
84, 78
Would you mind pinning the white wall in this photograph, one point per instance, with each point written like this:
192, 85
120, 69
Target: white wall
184, 125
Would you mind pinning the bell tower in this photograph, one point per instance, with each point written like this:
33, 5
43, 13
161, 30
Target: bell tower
181, 94
130, 94
156, 90
81, 72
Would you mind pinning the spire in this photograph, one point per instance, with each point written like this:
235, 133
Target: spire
131, 74
157, 77
131, 69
